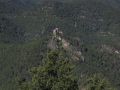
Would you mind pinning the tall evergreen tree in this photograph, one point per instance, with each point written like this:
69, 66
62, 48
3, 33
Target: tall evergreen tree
54, 74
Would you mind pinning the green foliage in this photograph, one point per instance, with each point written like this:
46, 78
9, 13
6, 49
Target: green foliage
54, 74
97, 82
91, 23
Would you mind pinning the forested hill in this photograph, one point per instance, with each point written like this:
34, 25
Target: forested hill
90, 26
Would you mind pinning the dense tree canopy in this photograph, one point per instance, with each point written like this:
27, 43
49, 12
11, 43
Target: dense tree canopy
54, 74
90, 26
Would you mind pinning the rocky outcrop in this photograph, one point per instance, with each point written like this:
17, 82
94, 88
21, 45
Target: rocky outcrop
59, 37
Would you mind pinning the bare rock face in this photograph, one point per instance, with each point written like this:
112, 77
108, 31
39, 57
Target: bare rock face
58, 40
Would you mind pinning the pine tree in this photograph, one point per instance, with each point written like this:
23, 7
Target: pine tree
54, 74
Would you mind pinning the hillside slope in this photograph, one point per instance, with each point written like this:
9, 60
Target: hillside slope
90, 26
